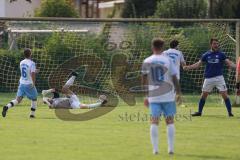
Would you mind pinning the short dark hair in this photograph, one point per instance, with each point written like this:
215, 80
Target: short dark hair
27, 52
213, 39
174, 43
157, 43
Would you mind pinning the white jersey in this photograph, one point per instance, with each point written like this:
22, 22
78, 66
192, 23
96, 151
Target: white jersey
61, 102
160, 70
177, 58
27, 66
71, 102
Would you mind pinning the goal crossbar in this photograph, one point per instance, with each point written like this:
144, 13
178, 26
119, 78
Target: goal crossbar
45, 31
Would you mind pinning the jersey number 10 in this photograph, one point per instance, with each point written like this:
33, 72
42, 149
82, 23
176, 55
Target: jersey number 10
157, 74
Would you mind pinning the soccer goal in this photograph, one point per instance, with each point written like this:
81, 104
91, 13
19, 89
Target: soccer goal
107, 53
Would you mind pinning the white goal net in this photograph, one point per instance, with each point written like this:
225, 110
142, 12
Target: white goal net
107, 55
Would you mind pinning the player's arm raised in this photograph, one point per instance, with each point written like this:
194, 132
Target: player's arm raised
230, 63
193, 66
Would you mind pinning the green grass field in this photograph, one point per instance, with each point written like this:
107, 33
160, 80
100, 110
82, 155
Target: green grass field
120, 134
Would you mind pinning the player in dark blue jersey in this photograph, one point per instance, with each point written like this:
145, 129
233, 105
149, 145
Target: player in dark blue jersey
214, 60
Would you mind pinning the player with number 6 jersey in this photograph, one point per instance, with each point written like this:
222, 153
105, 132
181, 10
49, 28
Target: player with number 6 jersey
26, 84
27, 67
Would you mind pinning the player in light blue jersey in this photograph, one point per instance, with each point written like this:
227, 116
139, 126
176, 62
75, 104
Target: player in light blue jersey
160, 75
178, 59
26, 84
176, 55
214, 60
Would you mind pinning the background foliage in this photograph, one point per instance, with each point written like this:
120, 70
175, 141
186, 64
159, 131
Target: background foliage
56, 8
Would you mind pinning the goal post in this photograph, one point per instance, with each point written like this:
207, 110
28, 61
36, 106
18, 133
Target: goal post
237, 97
107, 53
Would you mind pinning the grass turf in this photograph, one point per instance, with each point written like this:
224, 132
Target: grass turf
120, 134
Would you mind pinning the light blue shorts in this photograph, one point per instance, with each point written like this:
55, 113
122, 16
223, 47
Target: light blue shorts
166, 108
27, 90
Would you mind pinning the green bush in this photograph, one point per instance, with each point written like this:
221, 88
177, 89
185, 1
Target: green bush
36, 41
139, 8
56, 8
57, 49
181, 9
225, 9
8, 59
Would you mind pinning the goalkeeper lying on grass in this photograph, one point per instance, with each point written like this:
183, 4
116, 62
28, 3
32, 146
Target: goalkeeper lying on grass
71, 100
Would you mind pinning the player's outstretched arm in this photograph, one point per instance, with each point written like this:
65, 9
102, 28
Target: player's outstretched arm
183, 64
230, 64
193, 66
182, 61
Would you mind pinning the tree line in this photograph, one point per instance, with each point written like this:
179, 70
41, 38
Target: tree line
181, 9
151, 8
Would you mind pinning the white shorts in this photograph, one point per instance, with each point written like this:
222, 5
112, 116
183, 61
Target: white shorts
210, 83
74, 101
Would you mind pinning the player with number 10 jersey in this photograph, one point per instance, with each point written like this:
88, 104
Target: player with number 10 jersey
161, 70
160, 75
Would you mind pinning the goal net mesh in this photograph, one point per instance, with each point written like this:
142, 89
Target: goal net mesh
107, 55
